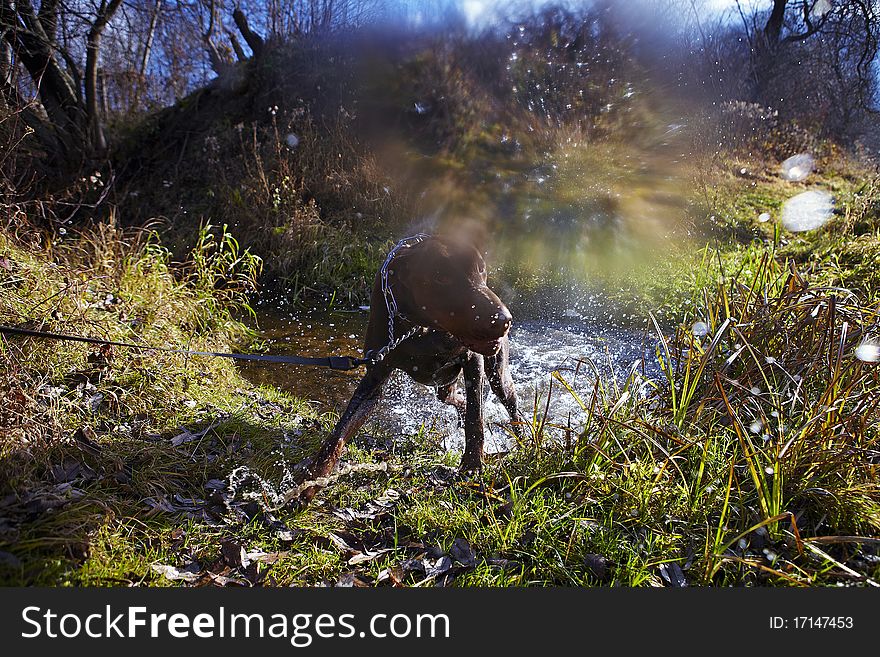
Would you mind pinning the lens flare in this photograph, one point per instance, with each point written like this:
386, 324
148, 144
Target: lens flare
807, 211
868, 351
797, 167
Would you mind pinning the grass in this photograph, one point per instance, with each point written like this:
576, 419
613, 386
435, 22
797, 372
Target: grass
753, 461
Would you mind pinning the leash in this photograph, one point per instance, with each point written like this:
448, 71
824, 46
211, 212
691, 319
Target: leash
342, 363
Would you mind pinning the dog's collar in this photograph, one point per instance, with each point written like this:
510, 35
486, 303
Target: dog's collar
387, 292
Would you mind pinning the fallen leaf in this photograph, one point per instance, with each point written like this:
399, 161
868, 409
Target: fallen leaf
346, 542
364, 557
188, 436
395, 574
463, 553
258, 556
597, 565
673, 575
413, 565
439, 567
174, 573
10, 560
347, 580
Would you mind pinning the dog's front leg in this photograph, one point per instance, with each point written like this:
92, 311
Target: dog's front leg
501, 382
362, 403
472, 458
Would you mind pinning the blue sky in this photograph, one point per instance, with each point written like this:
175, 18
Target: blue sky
482, 11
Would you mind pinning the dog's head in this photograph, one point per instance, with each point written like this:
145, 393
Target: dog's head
441, 282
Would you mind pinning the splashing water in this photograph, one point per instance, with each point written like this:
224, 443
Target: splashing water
579, 352
807, 211
797, 167
580, 349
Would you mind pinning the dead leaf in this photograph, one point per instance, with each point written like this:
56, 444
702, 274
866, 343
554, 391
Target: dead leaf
10, 560
258, 556
439, 567
346, 542
413, 565
364, 557
394, 574
233, 554
463, 553
188, 436
504, 564
347, 580
173, 573
597, 565
673, 575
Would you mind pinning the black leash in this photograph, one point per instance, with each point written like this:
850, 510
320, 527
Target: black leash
343, 363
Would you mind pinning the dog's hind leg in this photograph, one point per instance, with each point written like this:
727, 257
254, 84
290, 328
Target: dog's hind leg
501, 382
472, 459
362, 403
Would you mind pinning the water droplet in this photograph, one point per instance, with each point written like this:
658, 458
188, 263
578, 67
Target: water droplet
700, 329
764, 217
756, 426
292, 140
769, 470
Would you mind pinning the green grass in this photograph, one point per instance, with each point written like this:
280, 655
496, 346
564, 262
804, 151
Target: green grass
751, 461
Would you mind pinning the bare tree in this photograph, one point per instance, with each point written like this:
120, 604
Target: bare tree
67, 118
797, 26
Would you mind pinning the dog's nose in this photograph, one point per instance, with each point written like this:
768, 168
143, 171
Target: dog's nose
504, 317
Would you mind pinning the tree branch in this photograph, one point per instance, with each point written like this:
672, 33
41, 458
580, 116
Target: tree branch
254, 40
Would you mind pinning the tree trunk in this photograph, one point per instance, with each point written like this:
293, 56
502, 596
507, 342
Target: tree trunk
93, 47
766, 50
148, 51
254, 40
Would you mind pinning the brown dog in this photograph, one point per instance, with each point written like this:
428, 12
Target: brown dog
431, 305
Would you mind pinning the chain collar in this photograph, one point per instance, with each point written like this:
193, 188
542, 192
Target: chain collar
387, 292
391, 302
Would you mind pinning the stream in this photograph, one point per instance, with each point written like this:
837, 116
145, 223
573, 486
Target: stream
579, 349
583, 213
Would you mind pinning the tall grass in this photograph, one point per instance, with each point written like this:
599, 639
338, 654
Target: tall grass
765, 421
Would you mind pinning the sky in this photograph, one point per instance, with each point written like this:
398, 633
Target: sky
483, 11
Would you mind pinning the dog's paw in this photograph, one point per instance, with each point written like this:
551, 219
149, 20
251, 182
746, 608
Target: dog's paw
470, 466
